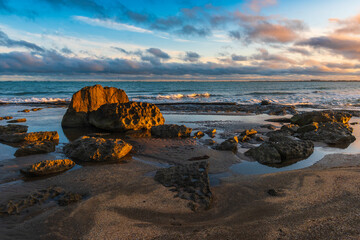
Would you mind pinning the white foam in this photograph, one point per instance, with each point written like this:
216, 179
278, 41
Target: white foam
180, 96
33, 100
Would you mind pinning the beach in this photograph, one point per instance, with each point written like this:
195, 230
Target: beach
305, 199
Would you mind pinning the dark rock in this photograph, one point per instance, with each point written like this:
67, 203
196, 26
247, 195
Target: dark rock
309, 127
36, 109
199, 134
272, 192
209, 142
191, 181
6, 118
211, 132
36, 148
126, 116
30, 137
321, 117
25, 110
199, 158
247, 135
268, 126
277, 135
69, 198
96, 149
354, 123
13, 128
265, 102
292, 128
89, 99
266, 153
48, 167
170, 131
280, 120
230, 144
17, 120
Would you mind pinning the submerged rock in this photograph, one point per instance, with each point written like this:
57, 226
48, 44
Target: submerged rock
36, 109
89, 99
191, 181
13, 128
97, 149
17, 120
25, 110
170, 131
48, 167
30, 137
6, 118
126, 116
35, 148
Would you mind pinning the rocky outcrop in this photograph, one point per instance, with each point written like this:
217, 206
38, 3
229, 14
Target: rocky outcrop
321, 116
170, 131
191, 181
285, 150
17, 120
247, 135
89, 99
230, 144
199, 134
30, 137
48, 167
97, 149
35, 148
126, 116
13, 128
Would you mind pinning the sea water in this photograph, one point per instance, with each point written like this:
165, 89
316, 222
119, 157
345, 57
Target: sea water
328, 94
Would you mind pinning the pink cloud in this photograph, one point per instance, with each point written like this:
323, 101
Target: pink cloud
257, 5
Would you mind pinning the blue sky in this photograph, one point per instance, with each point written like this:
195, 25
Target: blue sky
181, 39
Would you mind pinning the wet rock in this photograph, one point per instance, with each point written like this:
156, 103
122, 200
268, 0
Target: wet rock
332, 133
211, 132
36, 109
199, 134
209, 142
89, 99
230, 144
277, 135
97, 149
279, 120
247, 135
268, 126
30, 137
265, 102
25, 110
6, 118
13, 128
69, 198
292, 128
266, 153
354, 123
17, 120
309, 127
48, 167
199, 158
191, 181
272, 192
126, 116
36, 148
321, 117
170, 131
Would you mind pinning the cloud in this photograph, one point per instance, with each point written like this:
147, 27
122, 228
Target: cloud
238, 58
264, 55
158, 53
347, 26
7, 42
302, 51
191, 57
257, 5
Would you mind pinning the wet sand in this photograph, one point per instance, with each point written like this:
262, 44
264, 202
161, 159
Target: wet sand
122, 200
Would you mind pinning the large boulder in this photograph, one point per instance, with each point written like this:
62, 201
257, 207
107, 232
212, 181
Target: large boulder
191, 181
35, 148
170, 131
321, 116
48, 167
97, 149
89, 99
30, 137
126, 116
266, 153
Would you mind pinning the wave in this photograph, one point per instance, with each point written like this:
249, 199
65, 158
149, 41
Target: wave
267, 93
33, 100
180, 96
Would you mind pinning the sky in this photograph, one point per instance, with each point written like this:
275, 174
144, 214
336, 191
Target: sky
180, 39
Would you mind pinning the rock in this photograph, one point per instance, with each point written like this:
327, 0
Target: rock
36, 148
276, 135
199, 134
209, 142
321, 117
265, 102
170, 131
354, 123
191, 181
6, 118
199, 158
268, 126
230, 144
13, 128
48, 167
247, 135
36, 109
25, 110
266, 153
211, 132
17, 120
272, 192
287, 150
292, 128
30, 137
97, 149
126, 116
332, 133
69, 198
309, 127
89, 99
280, 120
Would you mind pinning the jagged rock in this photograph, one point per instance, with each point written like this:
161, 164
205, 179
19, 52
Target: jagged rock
321, 116
126, 116
36, 148
287, 150
13, 128
199, 134
48, 167
89, 99
191, 181
97, 149
30, 137
278, 134
230, 144
309, 127
332, 133
247, 135
17, 120
6, 118
211, 132
170, 131
292, 128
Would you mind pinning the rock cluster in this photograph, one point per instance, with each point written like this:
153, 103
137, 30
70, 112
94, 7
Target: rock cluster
170, 131
97, 149
6, 118
30, 137
35, 148
191, 181
89, 99
48, 167
126, 116
13, 128
17, 120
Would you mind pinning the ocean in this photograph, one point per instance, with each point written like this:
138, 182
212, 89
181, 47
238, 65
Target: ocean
327, 94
